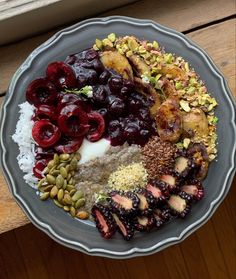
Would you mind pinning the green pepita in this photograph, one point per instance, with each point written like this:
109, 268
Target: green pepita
41, 182
72, 211
48, 188
44, 196
53, 192
59, 181
70, 187
55, 172
60, 195
69, 176
66, 208
64, 184
63, 164
79, 203
56, 159
46, 170
64, 157
57, 203
51, 179
72, 192
50, 164
74, 164
67, 199
52, 169
63, 172
78, 195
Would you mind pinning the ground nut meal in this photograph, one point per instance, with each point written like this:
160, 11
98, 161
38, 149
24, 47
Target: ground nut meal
121, 133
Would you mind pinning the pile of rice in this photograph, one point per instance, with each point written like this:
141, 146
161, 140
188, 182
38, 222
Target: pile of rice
23, 137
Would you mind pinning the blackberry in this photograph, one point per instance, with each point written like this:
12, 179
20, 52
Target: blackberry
125, 227
104, 220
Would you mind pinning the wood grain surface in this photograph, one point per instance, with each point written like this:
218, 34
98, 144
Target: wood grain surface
208, 253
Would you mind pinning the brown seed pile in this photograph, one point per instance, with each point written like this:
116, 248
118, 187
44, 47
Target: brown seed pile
158, 157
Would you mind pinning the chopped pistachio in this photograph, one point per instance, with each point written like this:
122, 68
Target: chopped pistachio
107, 42
132, 44
168, 58
178, 85
169, 76
142, 50
98, 43
158, 59
120, 51
192, 81
184, 105
129, 53
179, 145
186, 143
152, 80
112, 37
186, 66
191, 90
157, 77
155, 44
212, 157
210, 107
95, 47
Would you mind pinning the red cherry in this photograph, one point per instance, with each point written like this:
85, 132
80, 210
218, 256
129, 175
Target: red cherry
41, 91
69, 98
45, 133
61, 74
68, 145
43, 153
45, 112
39, 167
73, 121
97, 126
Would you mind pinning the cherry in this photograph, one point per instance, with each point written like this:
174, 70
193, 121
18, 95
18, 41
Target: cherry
71, 98
45, 112
39, 167
73, 121
45, 133
97, 126
68, 145
41, 91
61, 74
43, 153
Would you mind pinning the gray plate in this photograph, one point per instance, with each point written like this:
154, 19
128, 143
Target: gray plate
82, 236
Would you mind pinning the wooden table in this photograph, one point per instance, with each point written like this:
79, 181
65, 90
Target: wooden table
26, 252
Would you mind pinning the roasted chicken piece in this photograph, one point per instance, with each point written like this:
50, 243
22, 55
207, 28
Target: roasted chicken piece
195, 122
139, 65
169, 120
112, 59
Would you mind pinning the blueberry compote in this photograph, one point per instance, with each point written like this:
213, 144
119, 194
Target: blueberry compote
126, 112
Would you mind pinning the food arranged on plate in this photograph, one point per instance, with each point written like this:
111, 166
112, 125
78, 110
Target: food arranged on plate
121, 133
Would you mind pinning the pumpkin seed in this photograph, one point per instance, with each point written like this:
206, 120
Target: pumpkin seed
72, 173
82, 215
66, 208
67, 199
72, 211
64, 157
51, 164
79, 203
78, 195
73, 164
57, 203
44, 196
53, 192
40, 184
56, 159
72, 192
52, 169
63, 172
64, 184
71, 181
68, 176
70, 187
48, 188
63, 164
59, 181
77, 156
51, 179
60, 195
54, 172
67, 167
46, 170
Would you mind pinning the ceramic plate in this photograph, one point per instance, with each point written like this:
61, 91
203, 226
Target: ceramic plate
84, 236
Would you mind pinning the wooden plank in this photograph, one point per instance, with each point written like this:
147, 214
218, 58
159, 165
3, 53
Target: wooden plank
219, 41
183, 12
11, 216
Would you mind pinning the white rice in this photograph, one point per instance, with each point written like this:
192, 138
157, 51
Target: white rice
23, 137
